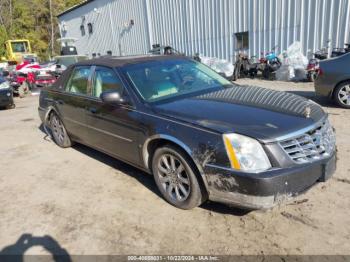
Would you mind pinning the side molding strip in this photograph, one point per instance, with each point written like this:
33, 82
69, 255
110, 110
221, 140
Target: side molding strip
99, 130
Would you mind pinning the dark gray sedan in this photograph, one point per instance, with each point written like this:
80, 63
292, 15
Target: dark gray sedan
198, 134
6, 94
333, 80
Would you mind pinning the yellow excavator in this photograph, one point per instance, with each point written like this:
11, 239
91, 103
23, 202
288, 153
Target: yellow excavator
17, 51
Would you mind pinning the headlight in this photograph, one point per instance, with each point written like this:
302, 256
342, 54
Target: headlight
245, 153
8, 94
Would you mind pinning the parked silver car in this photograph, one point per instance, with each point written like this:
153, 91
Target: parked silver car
333, 80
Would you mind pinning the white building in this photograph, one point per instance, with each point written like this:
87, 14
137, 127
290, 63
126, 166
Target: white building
216, 28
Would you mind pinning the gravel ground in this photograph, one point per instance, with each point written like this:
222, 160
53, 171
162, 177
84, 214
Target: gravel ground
81, 201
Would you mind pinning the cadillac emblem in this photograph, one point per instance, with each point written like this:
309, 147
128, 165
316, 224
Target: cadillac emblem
307, 112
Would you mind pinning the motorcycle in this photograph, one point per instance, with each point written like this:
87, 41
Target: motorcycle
312, 69
245, 66
340, 51
313, 66
269, 63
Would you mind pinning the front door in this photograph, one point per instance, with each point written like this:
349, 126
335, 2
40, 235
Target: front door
113, 128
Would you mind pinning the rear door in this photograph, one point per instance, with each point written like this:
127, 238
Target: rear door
73, 102
113, 128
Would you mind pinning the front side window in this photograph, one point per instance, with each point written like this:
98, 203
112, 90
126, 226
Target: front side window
104, 80
79, 80
158, 80
19, 47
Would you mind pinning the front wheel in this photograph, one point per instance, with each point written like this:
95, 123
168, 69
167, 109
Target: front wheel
342, 95
12, 106
176, 178
311, 76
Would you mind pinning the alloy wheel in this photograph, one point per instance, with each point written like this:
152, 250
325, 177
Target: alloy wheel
173, 177
344, 95
58, 129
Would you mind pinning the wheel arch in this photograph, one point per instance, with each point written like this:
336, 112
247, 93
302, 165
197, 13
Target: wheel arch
49, 110
154, 142
337, 85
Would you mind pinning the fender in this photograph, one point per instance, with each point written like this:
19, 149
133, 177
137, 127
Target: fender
176, 141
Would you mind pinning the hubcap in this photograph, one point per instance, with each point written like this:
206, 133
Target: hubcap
344, 95
173, 177
57, 129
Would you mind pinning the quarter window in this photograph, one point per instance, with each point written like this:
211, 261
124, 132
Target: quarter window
105, 79
79, 81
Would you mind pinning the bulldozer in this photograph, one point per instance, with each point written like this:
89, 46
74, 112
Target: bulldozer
18, 51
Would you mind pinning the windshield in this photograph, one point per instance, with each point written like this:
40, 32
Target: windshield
158, 80
19, 47
69, 60
4, 84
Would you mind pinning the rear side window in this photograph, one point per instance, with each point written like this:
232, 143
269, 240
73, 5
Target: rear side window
105, 79
78, 82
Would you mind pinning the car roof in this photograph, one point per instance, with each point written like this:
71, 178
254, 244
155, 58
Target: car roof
119, 61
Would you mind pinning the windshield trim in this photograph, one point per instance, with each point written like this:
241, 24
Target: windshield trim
188, 95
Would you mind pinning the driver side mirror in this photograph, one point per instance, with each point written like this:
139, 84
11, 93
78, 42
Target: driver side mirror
113, 97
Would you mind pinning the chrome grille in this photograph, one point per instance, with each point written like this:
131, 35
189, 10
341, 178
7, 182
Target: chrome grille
313, 145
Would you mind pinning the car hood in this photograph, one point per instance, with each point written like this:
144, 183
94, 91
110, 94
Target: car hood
253, 111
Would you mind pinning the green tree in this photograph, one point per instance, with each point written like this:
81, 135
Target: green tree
3, 38
30, 19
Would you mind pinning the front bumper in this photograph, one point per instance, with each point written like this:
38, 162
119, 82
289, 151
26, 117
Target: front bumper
6, 100
267, 189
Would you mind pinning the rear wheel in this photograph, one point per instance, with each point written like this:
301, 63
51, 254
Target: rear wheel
342, 95
266, 72
176, 178
59, 132
312, 76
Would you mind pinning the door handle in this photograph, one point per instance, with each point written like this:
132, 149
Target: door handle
92, 110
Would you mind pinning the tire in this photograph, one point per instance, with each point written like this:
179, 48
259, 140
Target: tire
342, 95
13, 106
236, 74
311, 76
59, 132
180, 189
266, 73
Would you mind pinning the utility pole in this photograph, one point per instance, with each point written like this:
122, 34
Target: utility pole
52, 30
11, 17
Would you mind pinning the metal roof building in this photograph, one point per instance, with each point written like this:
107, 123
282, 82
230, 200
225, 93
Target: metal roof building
217, 28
